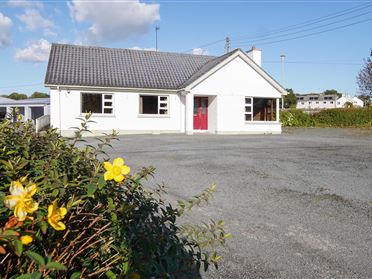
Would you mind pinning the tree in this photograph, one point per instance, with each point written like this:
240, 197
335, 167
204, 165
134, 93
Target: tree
39, 95
17, 96
364, 80
332, 92
290, 100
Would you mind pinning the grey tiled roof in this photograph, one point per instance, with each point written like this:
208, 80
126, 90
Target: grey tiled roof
126, 68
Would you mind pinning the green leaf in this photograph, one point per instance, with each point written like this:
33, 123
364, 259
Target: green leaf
126, 267
18, 247
43, 227
38, 259
24, 276
10, 233
75, 275
55, 265
36, 275
91, 189
110, 275
55, 193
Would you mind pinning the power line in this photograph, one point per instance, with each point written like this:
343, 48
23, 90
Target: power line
316, 33
309, 22
314, 62
308, 29
291, 27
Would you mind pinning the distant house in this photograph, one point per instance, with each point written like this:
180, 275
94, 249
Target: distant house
355, 101
314, 101
134, 91
29, 109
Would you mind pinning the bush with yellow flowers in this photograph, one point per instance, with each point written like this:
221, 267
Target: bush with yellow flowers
66, 214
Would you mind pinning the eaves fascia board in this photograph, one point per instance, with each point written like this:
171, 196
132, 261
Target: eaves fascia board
111, 89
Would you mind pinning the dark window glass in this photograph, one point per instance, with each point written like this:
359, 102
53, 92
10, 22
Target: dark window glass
2, 113
264, 109
149, 104
91, 103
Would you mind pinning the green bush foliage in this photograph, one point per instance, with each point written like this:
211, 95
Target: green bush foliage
344, 117
340, 117
296, 118
88, 219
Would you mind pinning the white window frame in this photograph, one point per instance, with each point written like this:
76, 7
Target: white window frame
248, 105
103, 100
160, 108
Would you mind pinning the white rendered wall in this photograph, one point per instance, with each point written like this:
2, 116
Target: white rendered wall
231, 84
125, 119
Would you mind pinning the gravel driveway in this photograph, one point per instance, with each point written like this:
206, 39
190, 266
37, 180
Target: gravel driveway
298, 204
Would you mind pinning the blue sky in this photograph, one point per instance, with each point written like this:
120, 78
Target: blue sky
313, 64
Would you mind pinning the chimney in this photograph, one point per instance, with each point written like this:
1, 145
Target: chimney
255, 55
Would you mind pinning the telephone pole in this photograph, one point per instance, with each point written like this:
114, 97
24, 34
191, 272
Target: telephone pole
227, 44
282, 62
157, 28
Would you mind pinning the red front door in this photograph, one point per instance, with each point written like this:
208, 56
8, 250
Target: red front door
200, 113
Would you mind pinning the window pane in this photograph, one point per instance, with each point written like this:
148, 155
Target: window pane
264, 109
248, 109
149, 104
248, 117
108, 104
107, 110
2, 112
163, 111
163, 105
91, 103
163, 98
248, 101
196, 106
108, 97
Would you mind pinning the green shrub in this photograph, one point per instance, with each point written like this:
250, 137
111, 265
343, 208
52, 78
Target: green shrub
65, 214
340, 117
296, 118
344, 117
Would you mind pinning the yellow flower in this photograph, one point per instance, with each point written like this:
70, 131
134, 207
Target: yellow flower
55, 215
20, 199
116, 171
26, 239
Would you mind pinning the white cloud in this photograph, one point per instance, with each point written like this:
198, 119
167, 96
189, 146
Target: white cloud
5, 25
25, 4
146, 48
34, 21
115, 20
37, 51
200, 51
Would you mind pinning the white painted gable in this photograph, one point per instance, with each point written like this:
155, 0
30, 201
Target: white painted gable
236, 77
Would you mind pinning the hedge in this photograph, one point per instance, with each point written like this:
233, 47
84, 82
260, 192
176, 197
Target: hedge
340, 117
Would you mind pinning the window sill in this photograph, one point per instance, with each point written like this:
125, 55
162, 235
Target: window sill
100, 115
153, 116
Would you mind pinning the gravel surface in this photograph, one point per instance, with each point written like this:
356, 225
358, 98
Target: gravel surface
298, 204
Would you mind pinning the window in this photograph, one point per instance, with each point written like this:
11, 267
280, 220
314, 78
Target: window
324, 102
317, 102
302, 103
97, 103
2, 113
248, 110
331, 102
153, 104
260, 109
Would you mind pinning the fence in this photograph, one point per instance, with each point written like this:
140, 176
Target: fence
42, 122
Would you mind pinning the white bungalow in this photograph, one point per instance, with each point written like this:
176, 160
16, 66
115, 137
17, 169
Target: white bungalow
134, 91
29, 109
